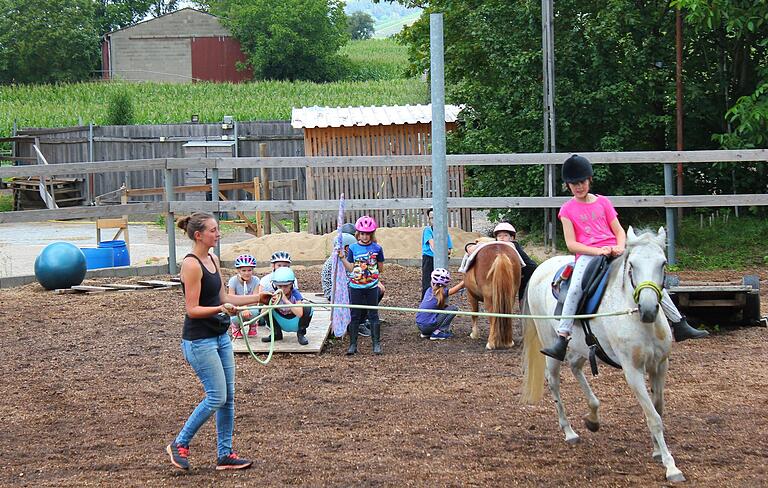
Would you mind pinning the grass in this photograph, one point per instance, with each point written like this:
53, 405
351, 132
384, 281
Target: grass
376, 59
6, 202
726, 243
163, 103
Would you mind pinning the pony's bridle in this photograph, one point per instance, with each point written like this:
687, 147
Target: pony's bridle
642, 286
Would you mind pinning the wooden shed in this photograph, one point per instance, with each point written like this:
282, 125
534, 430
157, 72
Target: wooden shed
375, 131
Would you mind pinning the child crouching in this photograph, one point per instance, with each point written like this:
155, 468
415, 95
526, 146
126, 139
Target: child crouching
437, 326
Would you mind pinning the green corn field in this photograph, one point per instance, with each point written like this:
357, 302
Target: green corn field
161, 103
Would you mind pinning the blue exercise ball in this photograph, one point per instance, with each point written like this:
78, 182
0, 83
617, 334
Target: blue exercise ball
60, 265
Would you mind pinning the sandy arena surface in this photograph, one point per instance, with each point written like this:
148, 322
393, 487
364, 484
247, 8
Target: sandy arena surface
93, 387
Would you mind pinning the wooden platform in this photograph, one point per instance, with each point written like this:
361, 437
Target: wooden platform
317, 333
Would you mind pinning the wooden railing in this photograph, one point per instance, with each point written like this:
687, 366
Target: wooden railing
170, 206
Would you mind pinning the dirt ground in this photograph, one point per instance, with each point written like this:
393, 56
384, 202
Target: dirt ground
94, 386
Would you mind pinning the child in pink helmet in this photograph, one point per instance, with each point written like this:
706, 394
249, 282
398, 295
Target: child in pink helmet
364, 263
437, 326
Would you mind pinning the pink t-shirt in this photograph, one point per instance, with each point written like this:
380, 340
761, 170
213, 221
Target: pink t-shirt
591, 221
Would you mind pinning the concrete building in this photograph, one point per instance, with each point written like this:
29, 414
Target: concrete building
183, 46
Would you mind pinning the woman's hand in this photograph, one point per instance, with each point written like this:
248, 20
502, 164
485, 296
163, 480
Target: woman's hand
228, 309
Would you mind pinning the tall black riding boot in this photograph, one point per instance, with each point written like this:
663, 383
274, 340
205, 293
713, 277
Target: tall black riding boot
682, 331
376, 337
278, 334
558, 349
352, 332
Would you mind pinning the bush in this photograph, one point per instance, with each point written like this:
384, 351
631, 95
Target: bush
120, 109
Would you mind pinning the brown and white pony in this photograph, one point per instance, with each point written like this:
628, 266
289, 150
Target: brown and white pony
494, 279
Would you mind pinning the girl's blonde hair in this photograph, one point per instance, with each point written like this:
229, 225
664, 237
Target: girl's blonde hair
441, 294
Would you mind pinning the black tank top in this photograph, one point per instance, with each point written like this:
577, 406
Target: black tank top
210, 289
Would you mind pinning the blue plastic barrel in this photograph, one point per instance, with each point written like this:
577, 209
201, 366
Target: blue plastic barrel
96, 258
120, 251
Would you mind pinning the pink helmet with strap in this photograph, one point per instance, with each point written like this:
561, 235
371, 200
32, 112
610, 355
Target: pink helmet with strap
365, 224
441, 276
506, 227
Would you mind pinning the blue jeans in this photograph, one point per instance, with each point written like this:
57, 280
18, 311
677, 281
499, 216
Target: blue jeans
214, 363
442, 323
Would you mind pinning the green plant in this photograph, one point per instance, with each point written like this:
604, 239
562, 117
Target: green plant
6, 203
120, 109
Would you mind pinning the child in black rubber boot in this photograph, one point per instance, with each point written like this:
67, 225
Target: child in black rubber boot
364, 263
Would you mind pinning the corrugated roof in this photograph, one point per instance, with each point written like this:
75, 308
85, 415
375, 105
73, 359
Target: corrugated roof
320, 117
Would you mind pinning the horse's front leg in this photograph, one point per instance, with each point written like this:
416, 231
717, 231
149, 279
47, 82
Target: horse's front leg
552, 374
592, 419
636, 381
657, 379
475, 306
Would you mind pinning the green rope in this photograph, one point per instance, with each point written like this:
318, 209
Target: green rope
268, 308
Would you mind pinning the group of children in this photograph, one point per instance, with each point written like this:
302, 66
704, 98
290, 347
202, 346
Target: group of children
279, 287
590, 227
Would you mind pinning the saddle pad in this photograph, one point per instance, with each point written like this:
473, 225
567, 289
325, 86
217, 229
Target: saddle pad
591, 302
481, 245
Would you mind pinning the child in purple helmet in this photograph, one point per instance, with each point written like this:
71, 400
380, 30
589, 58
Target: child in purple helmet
364, 263
437, 326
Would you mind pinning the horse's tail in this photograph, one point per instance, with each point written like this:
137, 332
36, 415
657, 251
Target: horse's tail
502, 279
532, 388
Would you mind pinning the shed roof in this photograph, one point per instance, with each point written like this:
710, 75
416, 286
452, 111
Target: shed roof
321, 117
194, 11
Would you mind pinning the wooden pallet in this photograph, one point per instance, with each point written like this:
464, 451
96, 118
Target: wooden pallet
140, 286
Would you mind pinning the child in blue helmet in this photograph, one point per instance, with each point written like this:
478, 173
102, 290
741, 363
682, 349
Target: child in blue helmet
243, 283
364, 263
437, 326
288, 318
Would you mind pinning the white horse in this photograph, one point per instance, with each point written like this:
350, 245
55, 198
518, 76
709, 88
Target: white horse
640, 342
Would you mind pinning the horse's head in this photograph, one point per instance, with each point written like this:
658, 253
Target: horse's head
645, 264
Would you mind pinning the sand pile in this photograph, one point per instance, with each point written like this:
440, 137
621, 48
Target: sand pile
398, 243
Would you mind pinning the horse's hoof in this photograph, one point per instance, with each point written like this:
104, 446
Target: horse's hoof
591, 426
472, 335
488, 347
573, 441
676, 478
657, 457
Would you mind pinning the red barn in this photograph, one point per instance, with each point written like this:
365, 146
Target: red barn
183, 46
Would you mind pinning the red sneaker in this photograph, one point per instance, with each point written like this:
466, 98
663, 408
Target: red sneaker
179, 455
232, 462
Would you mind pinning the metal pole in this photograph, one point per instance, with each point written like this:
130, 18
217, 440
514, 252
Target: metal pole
669, 190
548, 67
170, 222
91, 186
439, 167
215, 198
679, 99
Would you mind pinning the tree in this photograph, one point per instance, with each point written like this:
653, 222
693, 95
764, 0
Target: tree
47, 41
740, 32
360, 26
615, 89
162, 7
288, 39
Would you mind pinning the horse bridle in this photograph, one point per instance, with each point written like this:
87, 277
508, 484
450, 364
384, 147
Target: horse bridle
643, 284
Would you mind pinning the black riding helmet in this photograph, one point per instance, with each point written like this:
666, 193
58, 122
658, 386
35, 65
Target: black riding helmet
576, 168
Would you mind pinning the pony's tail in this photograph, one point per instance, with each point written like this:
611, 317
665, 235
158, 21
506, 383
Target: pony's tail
532, 388
501, 276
